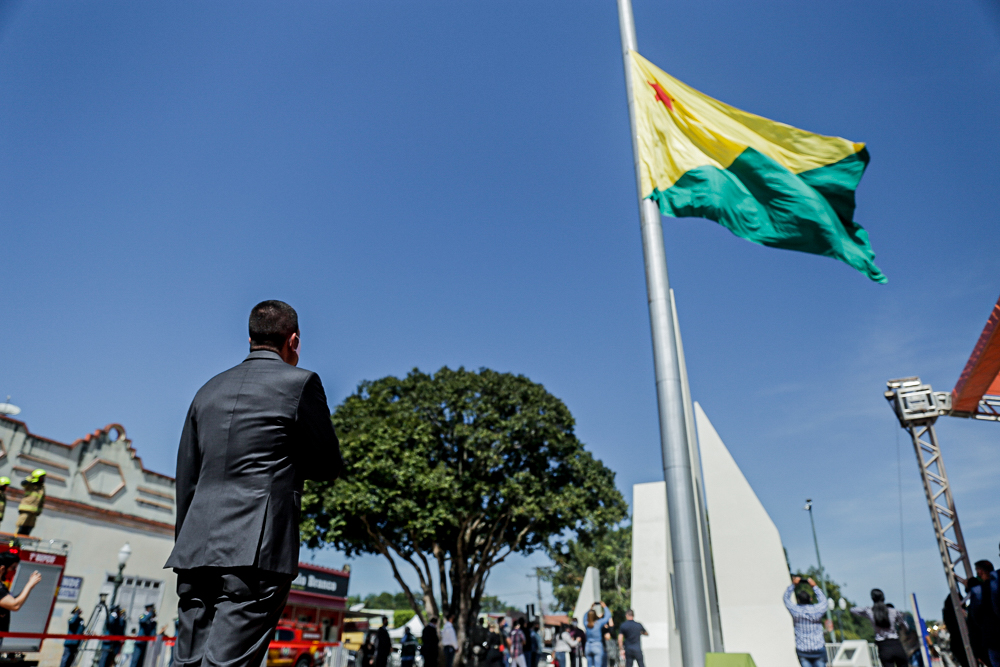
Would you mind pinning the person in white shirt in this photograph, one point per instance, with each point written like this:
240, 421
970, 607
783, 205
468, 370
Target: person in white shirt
449, 640
563, 645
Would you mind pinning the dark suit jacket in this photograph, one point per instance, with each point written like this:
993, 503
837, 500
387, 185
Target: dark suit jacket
252, 435
429, 643
383, 647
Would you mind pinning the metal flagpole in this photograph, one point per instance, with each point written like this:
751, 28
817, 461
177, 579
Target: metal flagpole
682, 513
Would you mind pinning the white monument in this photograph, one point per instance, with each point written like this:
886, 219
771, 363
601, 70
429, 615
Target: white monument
749, 563
590, 592
751, 573
652, 597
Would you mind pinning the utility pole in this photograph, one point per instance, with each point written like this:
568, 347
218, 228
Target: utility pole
538, 588
819, 562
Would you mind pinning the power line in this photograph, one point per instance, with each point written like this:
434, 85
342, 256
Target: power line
899, 476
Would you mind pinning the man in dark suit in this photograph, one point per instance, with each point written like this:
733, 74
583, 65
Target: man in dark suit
252, 435
383, 644
429, 643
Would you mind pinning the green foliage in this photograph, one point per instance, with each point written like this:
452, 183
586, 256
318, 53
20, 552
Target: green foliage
387, 600
451, 473
855, 627
610, 551
401, 616
491, 604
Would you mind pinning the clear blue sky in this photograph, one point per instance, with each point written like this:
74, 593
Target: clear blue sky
450, 183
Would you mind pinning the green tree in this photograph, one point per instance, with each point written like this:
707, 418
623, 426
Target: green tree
492, 604
387, 600
610, 551
401, 616
451, 473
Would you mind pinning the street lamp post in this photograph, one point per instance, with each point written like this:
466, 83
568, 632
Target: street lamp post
123, 555
819, 562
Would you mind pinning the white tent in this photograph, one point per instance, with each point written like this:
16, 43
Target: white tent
414, 624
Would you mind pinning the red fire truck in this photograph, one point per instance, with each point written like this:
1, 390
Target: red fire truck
48, 560
314, 613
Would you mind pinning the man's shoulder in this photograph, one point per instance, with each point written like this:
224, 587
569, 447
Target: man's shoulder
277, 371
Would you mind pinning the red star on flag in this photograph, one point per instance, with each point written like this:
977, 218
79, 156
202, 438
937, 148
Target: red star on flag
662, 95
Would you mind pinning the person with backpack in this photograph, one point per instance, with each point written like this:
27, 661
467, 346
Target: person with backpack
886, 621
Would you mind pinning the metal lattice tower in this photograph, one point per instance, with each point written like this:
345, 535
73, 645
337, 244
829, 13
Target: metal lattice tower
917, 406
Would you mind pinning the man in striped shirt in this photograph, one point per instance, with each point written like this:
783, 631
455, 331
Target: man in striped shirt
808, 621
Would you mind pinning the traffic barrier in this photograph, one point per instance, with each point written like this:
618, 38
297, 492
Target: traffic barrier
333, 653
109, 638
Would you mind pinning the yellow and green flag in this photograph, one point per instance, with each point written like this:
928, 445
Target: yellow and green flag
765, 181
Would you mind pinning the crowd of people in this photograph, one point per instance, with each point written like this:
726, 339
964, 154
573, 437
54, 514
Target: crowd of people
807, 618
500, 643
981, 610
982, 607
377, 645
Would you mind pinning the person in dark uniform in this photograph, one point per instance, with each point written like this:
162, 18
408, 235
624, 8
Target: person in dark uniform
429, 643
383, 644
115, 626
9, 602
407, 648
630, 640
70, 647
494, 640
147, 628
252, 436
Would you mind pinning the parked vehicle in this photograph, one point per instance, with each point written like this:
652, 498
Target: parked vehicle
296, 656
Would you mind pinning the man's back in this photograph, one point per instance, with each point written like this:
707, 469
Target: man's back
429, 641
383, 646
631, 632
252, 435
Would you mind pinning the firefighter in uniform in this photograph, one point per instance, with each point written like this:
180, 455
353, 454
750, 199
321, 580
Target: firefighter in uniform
32, 503
147, 628
4, 483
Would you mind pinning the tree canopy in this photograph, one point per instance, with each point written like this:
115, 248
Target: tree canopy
450, 473
610, 551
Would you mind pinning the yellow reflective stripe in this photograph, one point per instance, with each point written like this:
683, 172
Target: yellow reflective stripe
702, 131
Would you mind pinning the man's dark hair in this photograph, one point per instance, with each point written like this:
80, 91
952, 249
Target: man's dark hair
803, 596
7, 559
984, 565
271, 323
